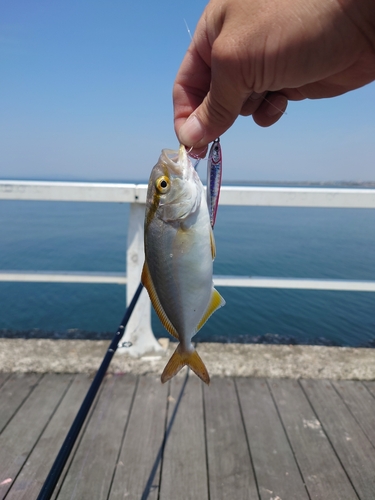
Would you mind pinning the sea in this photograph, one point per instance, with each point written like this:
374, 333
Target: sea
252, 241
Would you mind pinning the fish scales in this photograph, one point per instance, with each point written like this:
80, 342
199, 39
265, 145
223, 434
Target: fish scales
179, 250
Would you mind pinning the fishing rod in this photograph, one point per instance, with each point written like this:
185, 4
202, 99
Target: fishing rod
67, 446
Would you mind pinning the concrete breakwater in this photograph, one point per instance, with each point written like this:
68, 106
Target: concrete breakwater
242, 360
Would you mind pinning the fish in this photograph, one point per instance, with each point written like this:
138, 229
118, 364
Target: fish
179, 253
214, 174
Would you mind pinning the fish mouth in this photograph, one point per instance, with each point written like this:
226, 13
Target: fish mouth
176, 161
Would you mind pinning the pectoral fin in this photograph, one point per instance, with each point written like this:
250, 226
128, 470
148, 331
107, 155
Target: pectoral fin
216, 302
149, 285
180, 359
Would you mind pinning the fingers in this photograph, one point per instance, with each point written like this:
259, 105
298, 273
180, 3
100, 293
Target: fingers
210, 93
266, 108
271, 109
252, 103
215, 101
316, 51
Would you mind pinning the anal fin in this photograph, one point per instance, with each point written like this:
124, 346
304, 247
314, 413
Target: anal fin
216, 301
149, 285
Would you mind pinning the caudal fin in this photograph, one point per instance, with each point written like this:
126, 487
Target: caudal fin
179, 360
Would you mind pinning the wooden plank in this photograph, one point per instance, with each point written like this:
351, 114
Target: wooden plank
138, 467
77, 443
321, 470
33, 474
370, 387
230, 470
350, 442
13, 393
3, 377
361, 403
91, 471
23, 431
184, 471
275, 467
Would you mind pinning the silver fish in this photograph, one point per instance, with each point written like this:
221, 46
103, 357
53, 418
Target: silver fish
179, 250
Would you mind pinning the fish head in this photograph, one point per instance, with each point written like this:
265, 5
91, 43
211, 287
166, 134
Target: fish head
174, 188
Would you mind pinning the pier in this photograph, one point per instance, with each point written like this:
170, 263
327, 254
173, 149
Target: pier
278, 422
266, 436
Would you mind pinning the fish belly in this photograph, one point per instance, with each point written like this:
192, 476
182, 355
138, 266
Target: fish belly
180, 263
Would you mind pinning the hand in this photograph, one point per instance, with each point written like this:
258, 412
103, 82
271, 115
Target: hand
249, 57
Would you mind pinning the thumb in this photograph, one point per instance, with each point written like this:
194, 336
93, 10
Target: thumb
209, 121
218, 110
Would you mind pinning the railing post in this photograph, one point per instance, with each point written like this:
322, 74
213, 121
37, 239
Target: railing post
138, 331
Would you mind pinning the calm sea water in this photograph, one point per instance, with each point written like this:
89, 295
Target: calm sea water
284, 242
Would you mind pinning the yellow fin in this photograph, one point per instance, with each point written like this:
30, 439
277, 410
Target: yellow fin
179, 360
149, 285
216, 302
213, 244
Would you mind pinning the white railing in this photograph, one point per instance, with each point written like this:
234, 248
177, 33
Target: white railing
138, 332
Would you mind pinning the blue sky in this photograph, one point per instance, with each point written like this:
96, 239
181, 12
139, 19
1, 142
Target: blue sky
85, 94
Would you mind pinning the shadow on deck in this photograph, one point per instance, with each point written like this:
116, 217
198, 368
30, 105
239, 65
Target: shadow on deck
240, 438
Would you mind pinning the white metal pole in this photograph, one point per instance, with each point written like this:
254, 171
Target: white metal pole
138, 331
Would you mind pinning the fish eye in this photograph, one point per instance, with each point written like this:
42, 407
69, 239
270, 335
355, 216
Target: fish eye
162, 184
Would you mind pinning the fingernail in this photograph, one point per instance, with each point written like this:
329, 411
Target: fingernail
277, 106
191, 132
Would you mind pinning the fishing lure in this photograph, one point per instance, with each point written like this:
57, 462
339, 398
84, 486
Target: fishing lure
214, 173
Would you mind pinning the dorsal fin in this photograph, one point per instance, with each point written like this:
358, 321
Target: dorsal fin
149, 285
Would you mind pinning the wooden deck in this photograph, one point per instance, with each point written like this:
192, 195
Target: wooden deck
243, 438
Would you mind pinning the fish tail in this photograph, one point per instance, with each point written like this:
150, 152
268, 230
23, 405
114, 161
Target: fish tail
180, 359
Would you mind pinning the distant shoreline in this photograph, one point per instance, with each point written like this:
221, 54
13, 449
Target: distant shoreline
337, 184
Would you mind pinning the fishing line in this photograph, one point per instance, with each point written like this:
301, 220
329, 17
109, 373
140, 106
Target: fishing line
67, 446
272, 104
187, 27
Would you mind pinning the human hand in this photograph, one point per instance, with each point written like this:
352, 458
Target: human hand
249, 57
